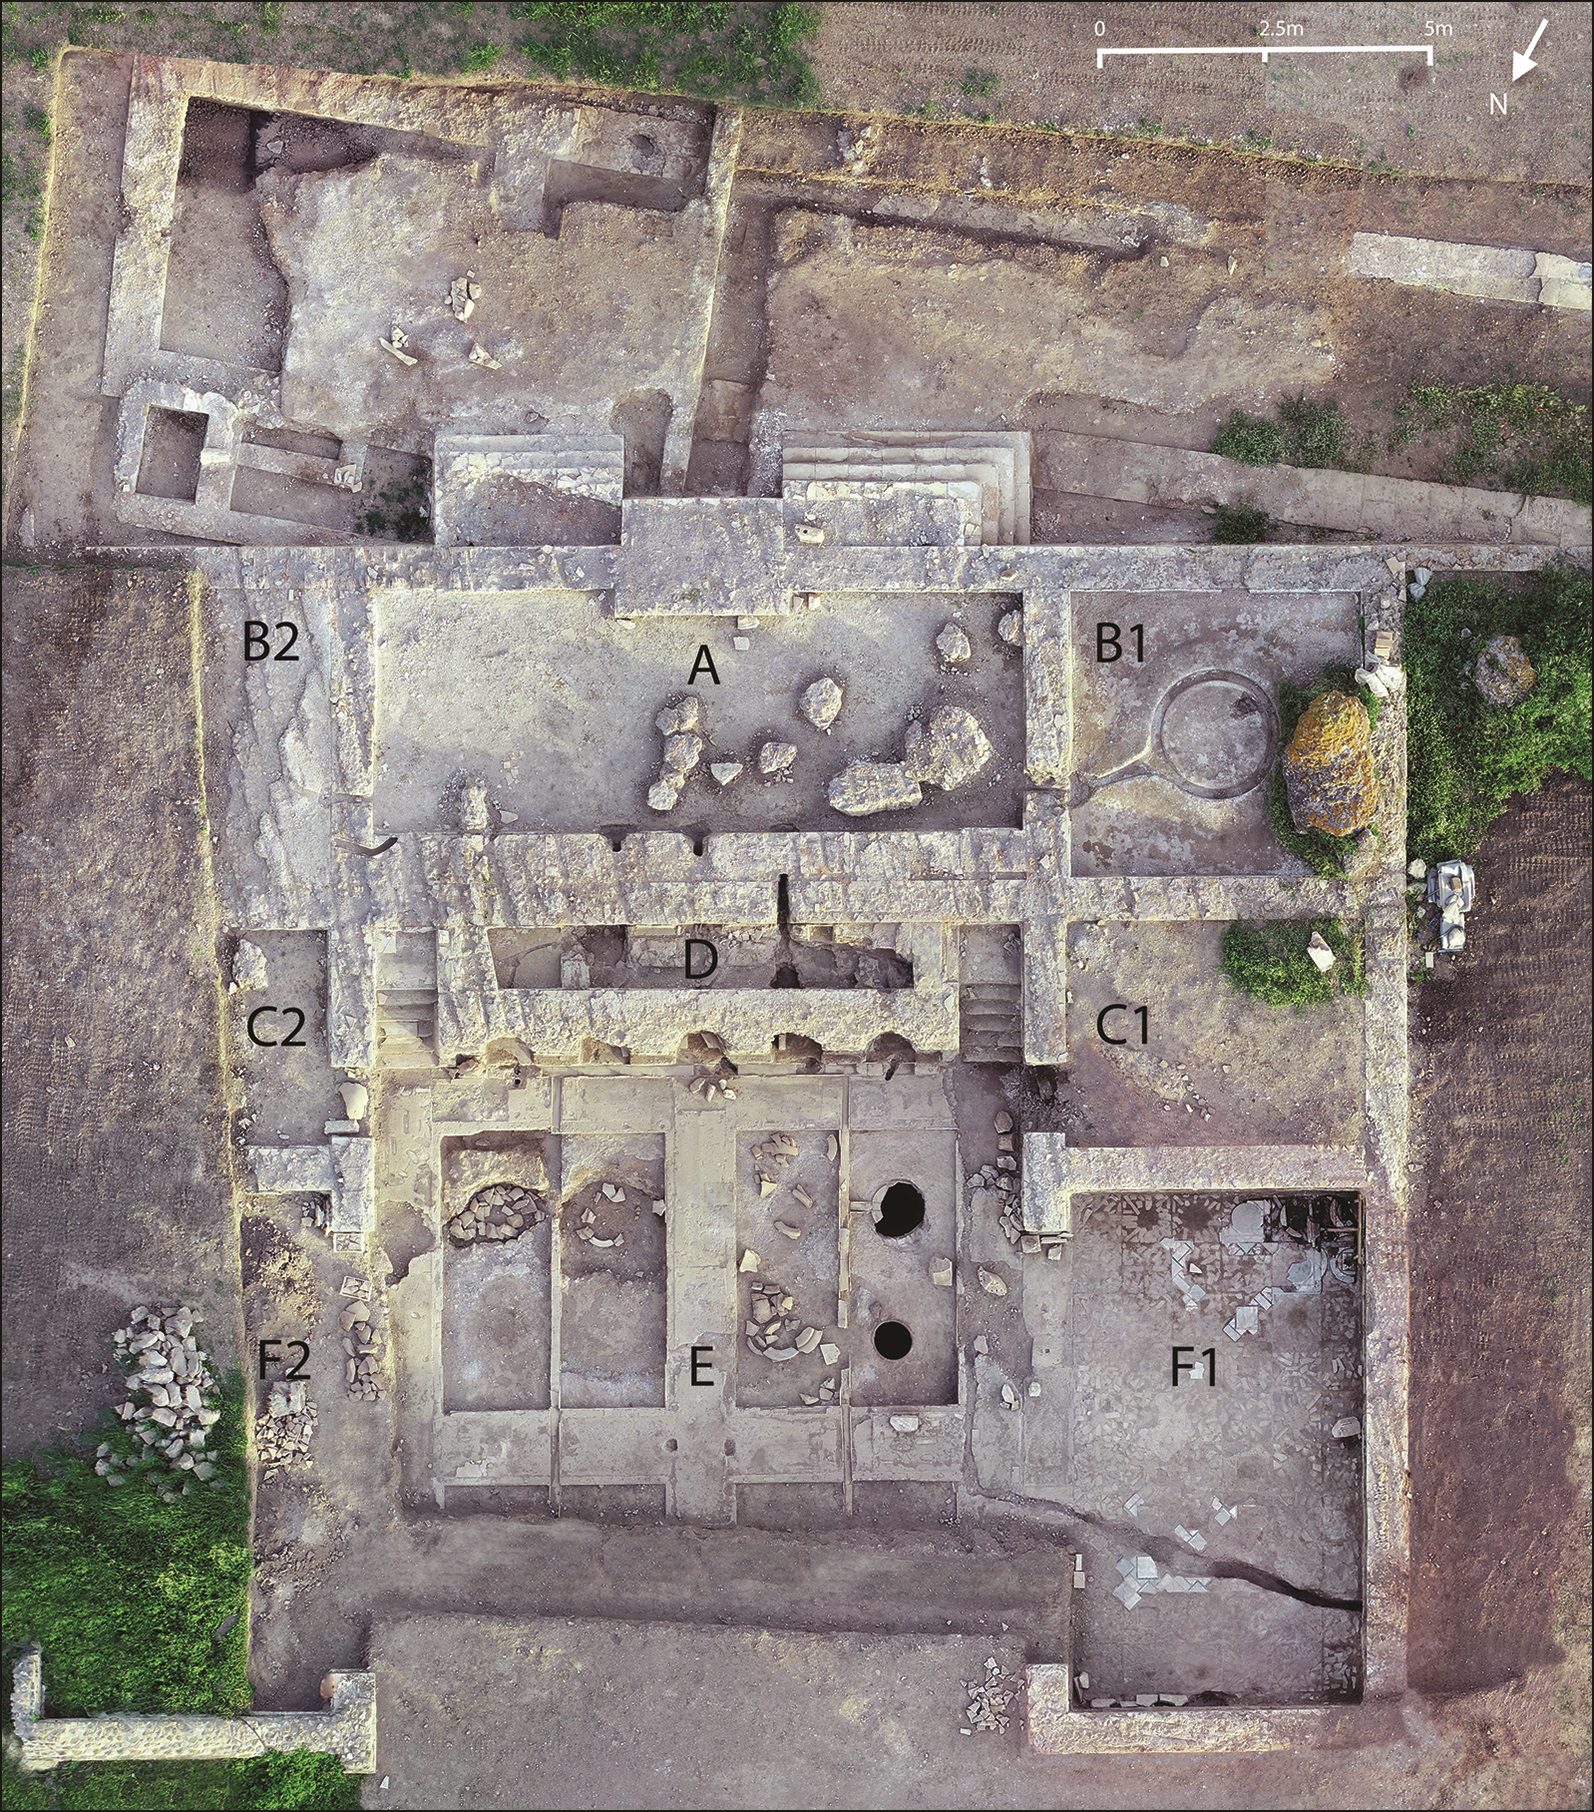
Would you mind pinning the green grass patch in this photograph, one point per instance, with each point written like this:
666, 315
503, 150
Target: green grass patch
1240, 524
1302, 432
1465, 759
128, 1595
297, 1779
715, 49
1515, 437
141, 1605
1267, 958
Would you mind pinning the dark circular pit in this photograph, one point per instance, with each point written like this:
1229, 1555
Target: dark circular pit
901, 1210
892, 1340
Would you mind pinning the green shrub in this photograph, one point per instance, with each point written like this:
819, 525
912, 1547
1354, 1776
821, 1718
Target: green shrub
1314, 433
1267, 958
482, 57
1465, 759
1304, 433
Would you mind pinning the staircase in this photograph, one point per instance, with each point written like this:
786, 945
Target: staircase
991, 1023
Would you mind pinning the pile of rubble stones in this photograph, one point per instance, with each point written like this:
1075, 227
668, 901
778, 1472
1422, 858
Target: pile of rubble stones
587, 1230
168, 1408
500, 1211
774, 1154
681, 726
989, 1699
284, 1429
776, 1334
362, 1341
994, 1188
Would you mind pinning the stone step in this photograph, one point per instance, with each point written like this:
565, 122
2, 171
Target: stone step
1006, 450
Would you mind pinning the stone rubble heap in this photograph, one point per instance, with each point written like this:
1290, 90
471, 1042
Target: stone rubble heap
821, 703
989, 1699
501, 1211
769, 1158
714, 1078
681, 726
362, 1341
947, 752
776, 1334
953, 645
587, 1230
858, 148
1503, 673
168, 1407
284, 1429
994, 1189
463, 294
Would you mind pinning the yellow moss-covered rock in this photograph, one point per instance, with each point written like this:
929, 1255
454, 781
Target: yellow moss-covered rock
1504, 674
1329, 778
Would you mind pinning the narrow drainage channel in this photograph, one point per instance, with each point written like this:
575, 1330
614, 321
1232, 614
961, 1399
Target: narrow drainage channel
1274, 1582
1161, 1548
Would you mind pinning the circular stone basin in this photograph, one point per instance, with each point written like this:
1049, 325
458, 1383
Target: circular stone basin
892, 1340
1217, 734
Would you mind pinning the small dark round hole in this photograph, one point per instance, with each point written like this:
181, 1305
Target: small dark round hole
671, 1445
901, 1210
892, 1340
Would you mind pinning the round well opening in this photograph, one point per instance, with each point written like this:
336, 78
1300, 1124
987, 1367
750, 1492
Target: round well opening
892, 1340
901, 1210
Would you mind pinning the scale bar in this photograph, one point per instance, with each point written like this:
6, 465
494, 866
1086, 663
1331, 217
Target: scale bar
1264, 51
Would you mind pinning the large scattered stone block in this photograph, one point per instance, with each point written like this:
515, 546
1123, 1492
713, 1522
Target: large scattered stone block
1328, 767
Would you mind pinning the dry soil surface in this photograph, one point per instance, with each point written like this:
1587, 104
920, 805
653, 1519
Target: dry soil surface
1500, 1269
116, 1189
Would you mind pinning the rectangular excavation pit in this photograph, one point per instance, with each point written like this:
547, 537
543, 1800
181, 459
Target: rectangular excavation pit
277, 1033
554, 704
225, 298
1248, 1491
908, 1175
1217, 1066
617, 956
168, 464
285, 498
497, 1310
612, 1272
786, 1193
1174, 753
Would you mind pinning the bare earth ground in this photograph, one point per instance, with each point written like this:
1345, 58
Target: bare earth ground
1500, 1283
115, 1174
